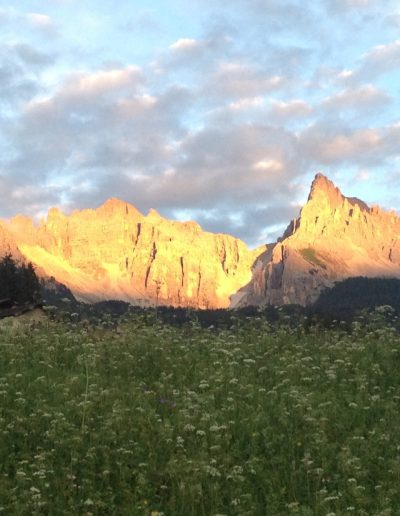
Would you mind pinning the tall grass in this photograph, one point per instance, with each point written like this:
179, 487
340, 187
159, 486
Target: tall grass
156, 420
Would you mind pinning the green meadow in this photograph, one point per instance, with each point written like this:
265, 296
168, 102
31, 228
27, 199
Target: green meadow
155, 420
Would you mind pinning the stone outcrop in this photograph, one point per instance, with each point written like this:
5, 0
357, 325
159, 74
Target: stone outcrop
335, 237
115, 252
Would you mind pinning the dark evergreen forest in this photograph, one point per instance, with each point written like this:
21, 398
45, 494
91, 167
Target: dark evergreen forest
18, 282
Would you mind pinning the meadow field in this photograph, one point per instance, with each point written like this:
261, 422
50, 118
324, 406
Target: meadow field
155, 420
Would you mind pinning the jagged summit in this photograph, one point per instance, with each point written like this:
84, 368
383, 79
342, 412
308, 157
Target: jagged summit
324, 188
335, 237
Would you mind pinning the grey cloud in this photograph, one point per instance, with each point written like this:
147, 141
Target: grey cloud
19, 66
297, 108
381, 59
363, 98
209, 170
96, 125
334, 144
14, 84
277, 15
194, 56
235, 80
144, 21
32, 56
255, 225
26, 198
339, 6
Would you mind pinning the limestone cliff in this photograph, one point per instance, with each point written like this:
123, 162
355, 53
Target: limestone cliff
335, 237
115, 252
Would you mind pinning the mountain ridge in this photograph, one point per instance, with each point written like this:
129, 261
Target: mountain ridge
335, 237
116, 252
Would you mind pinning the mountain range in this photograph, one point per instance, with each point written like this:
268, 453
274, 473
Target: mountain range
116, 252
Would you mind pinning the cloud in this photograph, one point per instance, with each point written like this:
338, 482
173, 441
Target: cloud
184, 44
31, 56
326, 144
241, 80
296, 108
246, 103
86, 84
271, 165
362, 175
343, 5
255, 224
40, 21
366, 97
19, 66
279, 16
381, 59
29, 198
92, 125
144, 21
193, 56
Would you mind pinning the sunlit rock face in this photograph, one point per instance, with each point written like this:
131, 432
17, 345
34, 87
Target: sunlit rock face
8, 243
115, 252
335, 237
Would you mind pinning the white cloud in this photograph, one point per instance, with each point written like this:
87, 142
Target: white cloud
271, 165
184, 44
41, 21
345, 74
92, 83
247, 103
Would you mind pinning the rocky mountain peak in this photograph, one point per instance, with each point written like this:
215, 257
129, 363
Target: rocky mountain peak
323, 189
117, 207
335, 237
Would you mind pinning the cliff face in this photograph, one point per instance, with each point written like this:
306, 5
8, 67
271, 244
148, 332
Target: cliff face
335, 237
114, 252
8, 244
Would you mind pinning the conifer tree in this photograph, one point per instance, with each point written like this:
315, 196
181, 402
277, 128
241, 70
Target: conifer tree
18, 283
8, 278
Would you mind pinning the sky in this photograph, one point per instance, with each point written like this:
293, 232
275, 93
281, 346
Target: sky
217, 111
